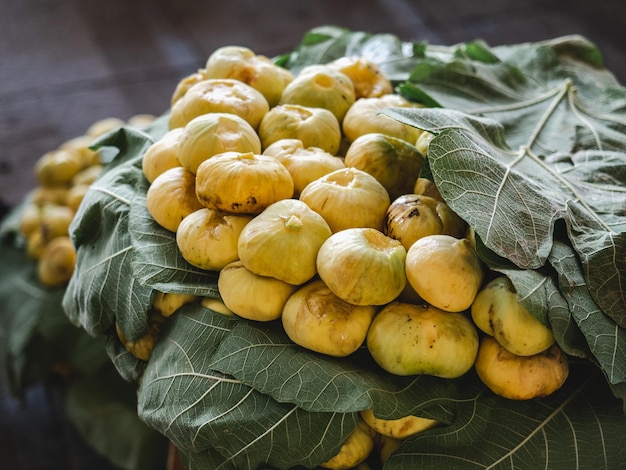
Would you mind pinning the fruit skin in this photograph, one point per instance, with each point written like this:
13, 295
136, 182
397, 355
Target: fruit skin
364, 117
355, 449
142, 347
348, 198
315, 127
58, 167
242, 183
219, 96
167, 303
283, 242
444, 271
320, 86
250, 296
408, 339
316, 319
304, 164
497, 312
207, 238
171, 197
399, 428
412, 216
212, 134
394, 162
521, 377
362, 266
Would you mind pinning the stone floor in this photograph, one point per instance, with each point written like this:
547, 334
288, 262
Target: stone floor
65, 64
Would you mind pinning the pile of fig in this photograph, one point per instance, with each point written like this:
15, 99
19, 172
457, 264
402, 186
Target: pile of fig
310, 205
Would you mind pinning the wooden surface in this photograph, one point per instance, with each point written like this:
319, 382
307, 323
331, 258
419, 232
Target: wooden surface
65, 64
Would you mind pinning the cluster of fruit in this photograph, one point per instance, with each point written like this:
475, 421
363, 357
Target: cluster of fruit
64, 176
309, 203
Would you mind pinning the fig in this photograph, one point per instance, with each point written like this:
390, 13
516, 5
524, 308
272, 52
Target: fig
315, 127
394, 162
348, 198
207, 238
304, 164
320, 86
497, 312
521, 377
368, 79
426, 187
410, 339
444, 271
398, 428
255, 70
219, 96
57, 167
355, 449
212, 134
161, 155
362, 266
57, 261
242, 183
316, 319
364, 117
411, 217
167, 303
171, 197
250, 296
283, 242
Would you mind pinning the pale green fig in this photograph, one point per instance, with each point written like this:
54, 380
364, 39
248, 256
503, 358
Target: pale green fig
394, 162
409, 339
348, 198
444, 271
283, 241
364, 117
242, 183
171, 197
521, 377
250, 296
411, 217
219, 96
315, 127
208, 238
362, 266
304, 164
212, 134
316, 319
320, 86
497, 312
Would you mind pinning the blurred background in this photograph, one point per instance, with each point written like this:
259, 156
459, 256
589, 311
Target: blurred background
66, 64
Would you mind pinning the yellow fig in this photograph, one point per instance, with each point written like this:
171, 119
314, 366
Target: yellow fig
242, 183
497, 312
398, 428
348, 198
250, 296
171, 197
212, 134
57, 262
355, 449
444, 271
316, 319
315, 127
208, 238
368, 79
161, 155
521, 377
219, 96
